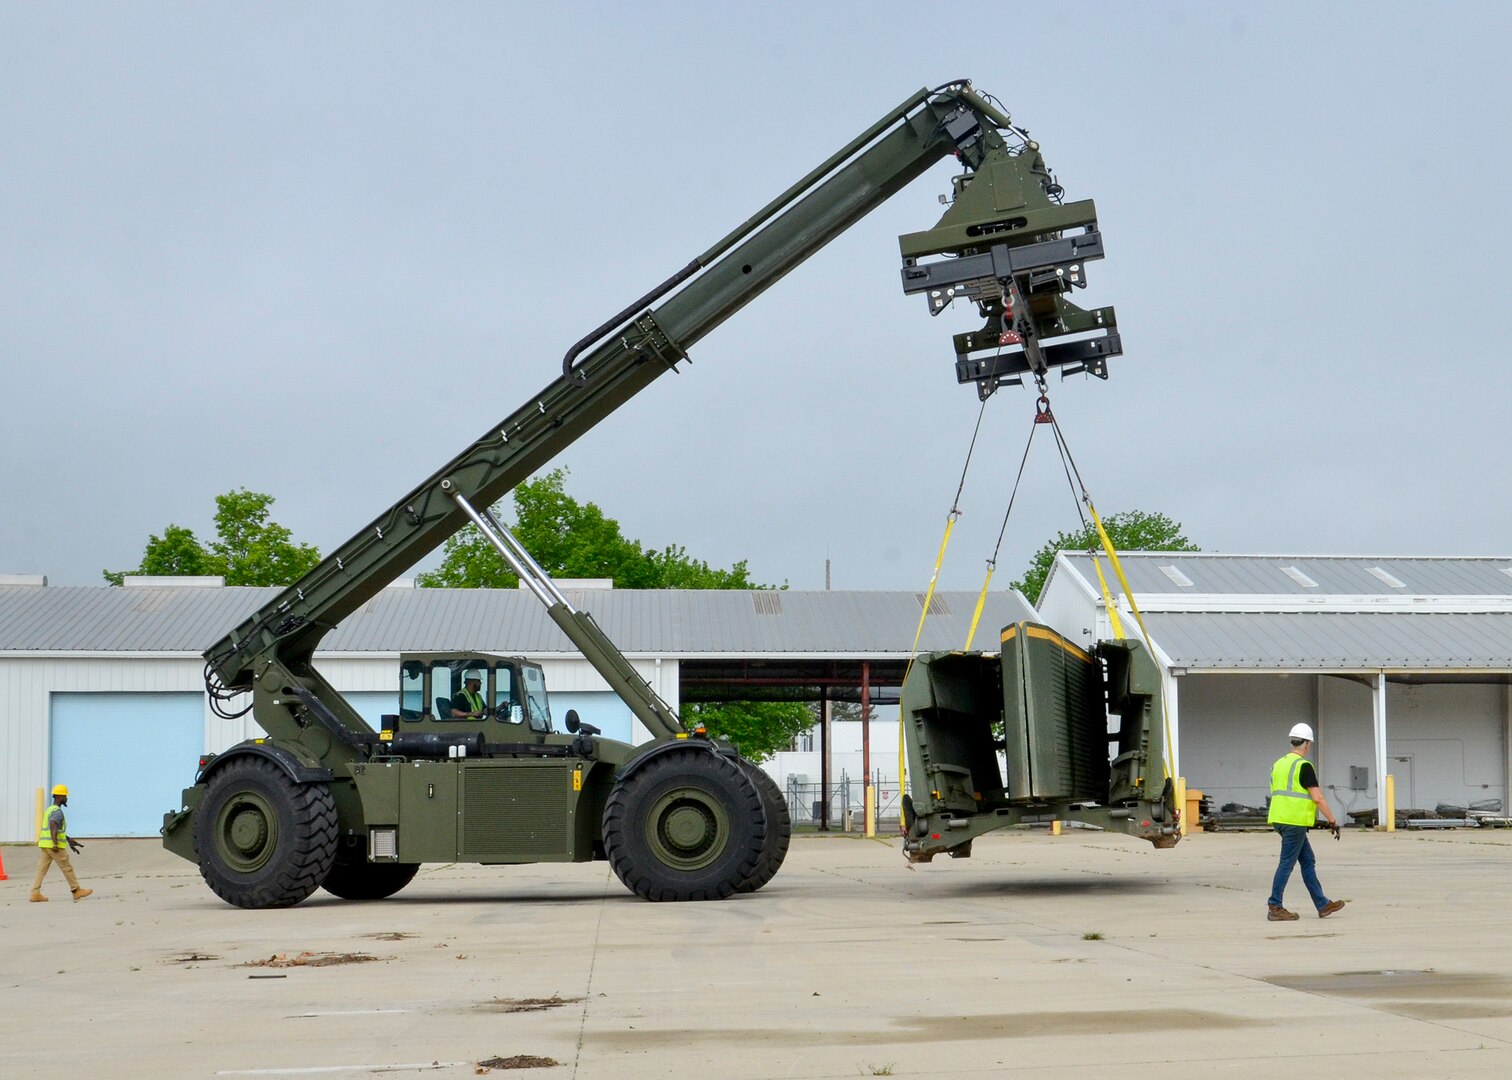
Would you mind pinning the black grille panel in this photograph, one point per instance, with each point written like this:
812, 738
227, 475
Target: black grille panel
515, 813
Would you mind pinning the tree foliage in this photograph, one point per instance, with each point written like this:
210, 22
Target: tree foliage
574, 539
1130, 530
758, 728
249, 549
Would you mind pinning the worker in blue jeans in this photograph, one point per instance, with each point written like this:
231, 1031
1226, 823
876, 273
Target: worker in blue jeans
1295, 799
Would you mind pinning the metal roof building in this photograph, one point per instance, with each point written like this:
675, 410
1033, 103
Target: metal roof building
682, 623
103, 686
1402, 666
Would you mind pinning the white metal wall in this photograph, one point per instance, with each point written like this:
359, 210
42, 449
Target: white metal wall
1069, 611
1451, 739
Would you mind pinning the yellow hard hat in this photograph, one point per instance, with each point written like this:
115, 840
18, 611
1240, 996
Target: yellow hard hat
61, 789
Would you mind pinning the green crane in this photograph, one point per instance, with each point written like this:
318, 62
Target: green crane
324, 800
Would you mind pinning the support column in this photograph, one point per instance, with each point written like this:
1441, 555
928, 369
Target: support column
1507, 756
868, 793
824, 760
1378, 710
1173, 721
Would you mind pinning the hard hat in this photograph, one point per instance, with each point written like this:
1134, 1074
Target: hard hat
1302, 731
61, 789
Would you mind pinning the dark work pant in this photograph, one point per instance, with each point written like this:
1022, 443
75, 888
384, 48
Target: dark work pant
1296, 850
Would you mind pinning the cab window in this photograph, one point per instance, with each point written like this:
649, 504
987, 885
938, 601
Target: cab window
442, 685
412, 690
507, 703
537, 706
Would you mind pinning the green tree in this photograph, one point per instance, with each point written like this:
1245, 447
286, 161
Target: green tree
249, 549
252, 549
1130, 530
177, 553
576, 540
758, 728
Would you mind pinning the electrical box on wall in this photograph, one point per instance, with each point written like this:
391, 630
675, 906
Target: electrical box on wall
1359, 777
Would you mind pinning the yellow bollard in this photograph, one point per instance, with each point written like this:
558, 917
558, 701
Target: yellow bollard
41, 802
871, 811
1390, 822
1055, 827
1181, 805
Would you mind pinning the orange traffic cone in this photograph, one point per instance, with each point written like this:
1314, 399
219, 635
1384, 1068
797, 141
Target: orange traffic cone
2, 868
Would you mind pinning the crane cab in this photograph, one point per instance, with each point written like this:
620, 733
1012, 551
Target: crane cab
503, 698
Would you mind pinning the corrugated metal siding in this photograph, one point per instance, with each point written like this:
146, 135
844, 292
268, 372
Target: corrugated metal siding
1240, 575
1330, 641
67, 619
664, 622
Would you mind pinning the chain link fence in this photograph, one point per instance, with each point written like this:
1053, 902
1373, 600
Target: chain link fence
847, 802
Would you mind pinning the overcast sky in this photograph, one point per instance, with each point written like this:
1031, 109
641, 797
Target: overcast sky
314, 250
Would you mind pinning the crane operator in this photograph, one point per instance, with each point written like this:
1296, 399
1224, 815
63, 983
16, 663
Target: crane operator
469, 704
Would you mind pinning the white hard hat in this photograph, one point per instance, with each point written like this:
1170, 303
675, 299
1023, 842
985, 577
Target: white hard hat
1302, 731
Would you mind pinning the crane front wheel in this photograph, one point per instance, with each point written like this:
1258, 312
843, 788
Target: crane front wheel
688, 825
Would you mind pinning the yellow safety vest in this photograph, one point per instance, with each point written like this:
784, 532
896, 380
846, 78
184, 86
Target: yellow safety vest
44, 834
1290, 803
474, 701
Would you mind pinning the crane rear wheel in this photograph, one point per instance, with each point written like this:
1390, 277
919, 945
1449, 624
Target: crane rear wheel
779, 827
362, 880
263, 840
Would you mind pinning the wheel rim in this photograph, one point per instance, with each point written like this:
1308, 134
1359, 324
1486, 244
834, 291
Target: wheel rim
244, 832
689, 829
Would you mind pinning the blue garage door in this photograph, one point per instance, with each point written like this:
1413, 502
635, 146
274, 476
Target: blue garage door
124, 757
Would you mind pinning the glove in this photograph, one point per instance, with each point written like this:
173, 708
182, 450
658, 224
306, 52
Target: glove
1334, 828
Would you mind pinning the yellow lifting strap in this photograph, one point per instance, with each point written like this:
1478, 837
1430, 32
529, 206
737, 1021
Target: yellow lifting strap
934, 580
1112, 608
1123, 582
976, 616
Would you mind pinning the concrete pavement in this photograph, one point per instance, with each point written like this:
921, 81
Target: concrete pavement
1062, 957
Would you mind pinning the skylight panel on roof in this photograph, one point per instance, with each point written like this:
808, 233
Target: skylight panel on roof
1381, 575
1177, 576
1299, 577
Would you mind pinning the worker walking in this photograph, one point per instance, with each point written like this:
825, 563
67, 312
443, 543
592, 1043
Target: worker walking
1295, 799
53, 839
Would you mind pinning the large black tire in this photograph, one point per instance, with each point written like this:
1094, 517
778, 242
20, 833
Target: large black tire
368, 881
779, 828
688, 825
262, 840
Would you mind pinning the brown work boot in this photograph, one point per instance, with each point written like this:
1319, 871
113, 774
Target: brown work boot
1328, 909
38, 898
1277, 913
80, 894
